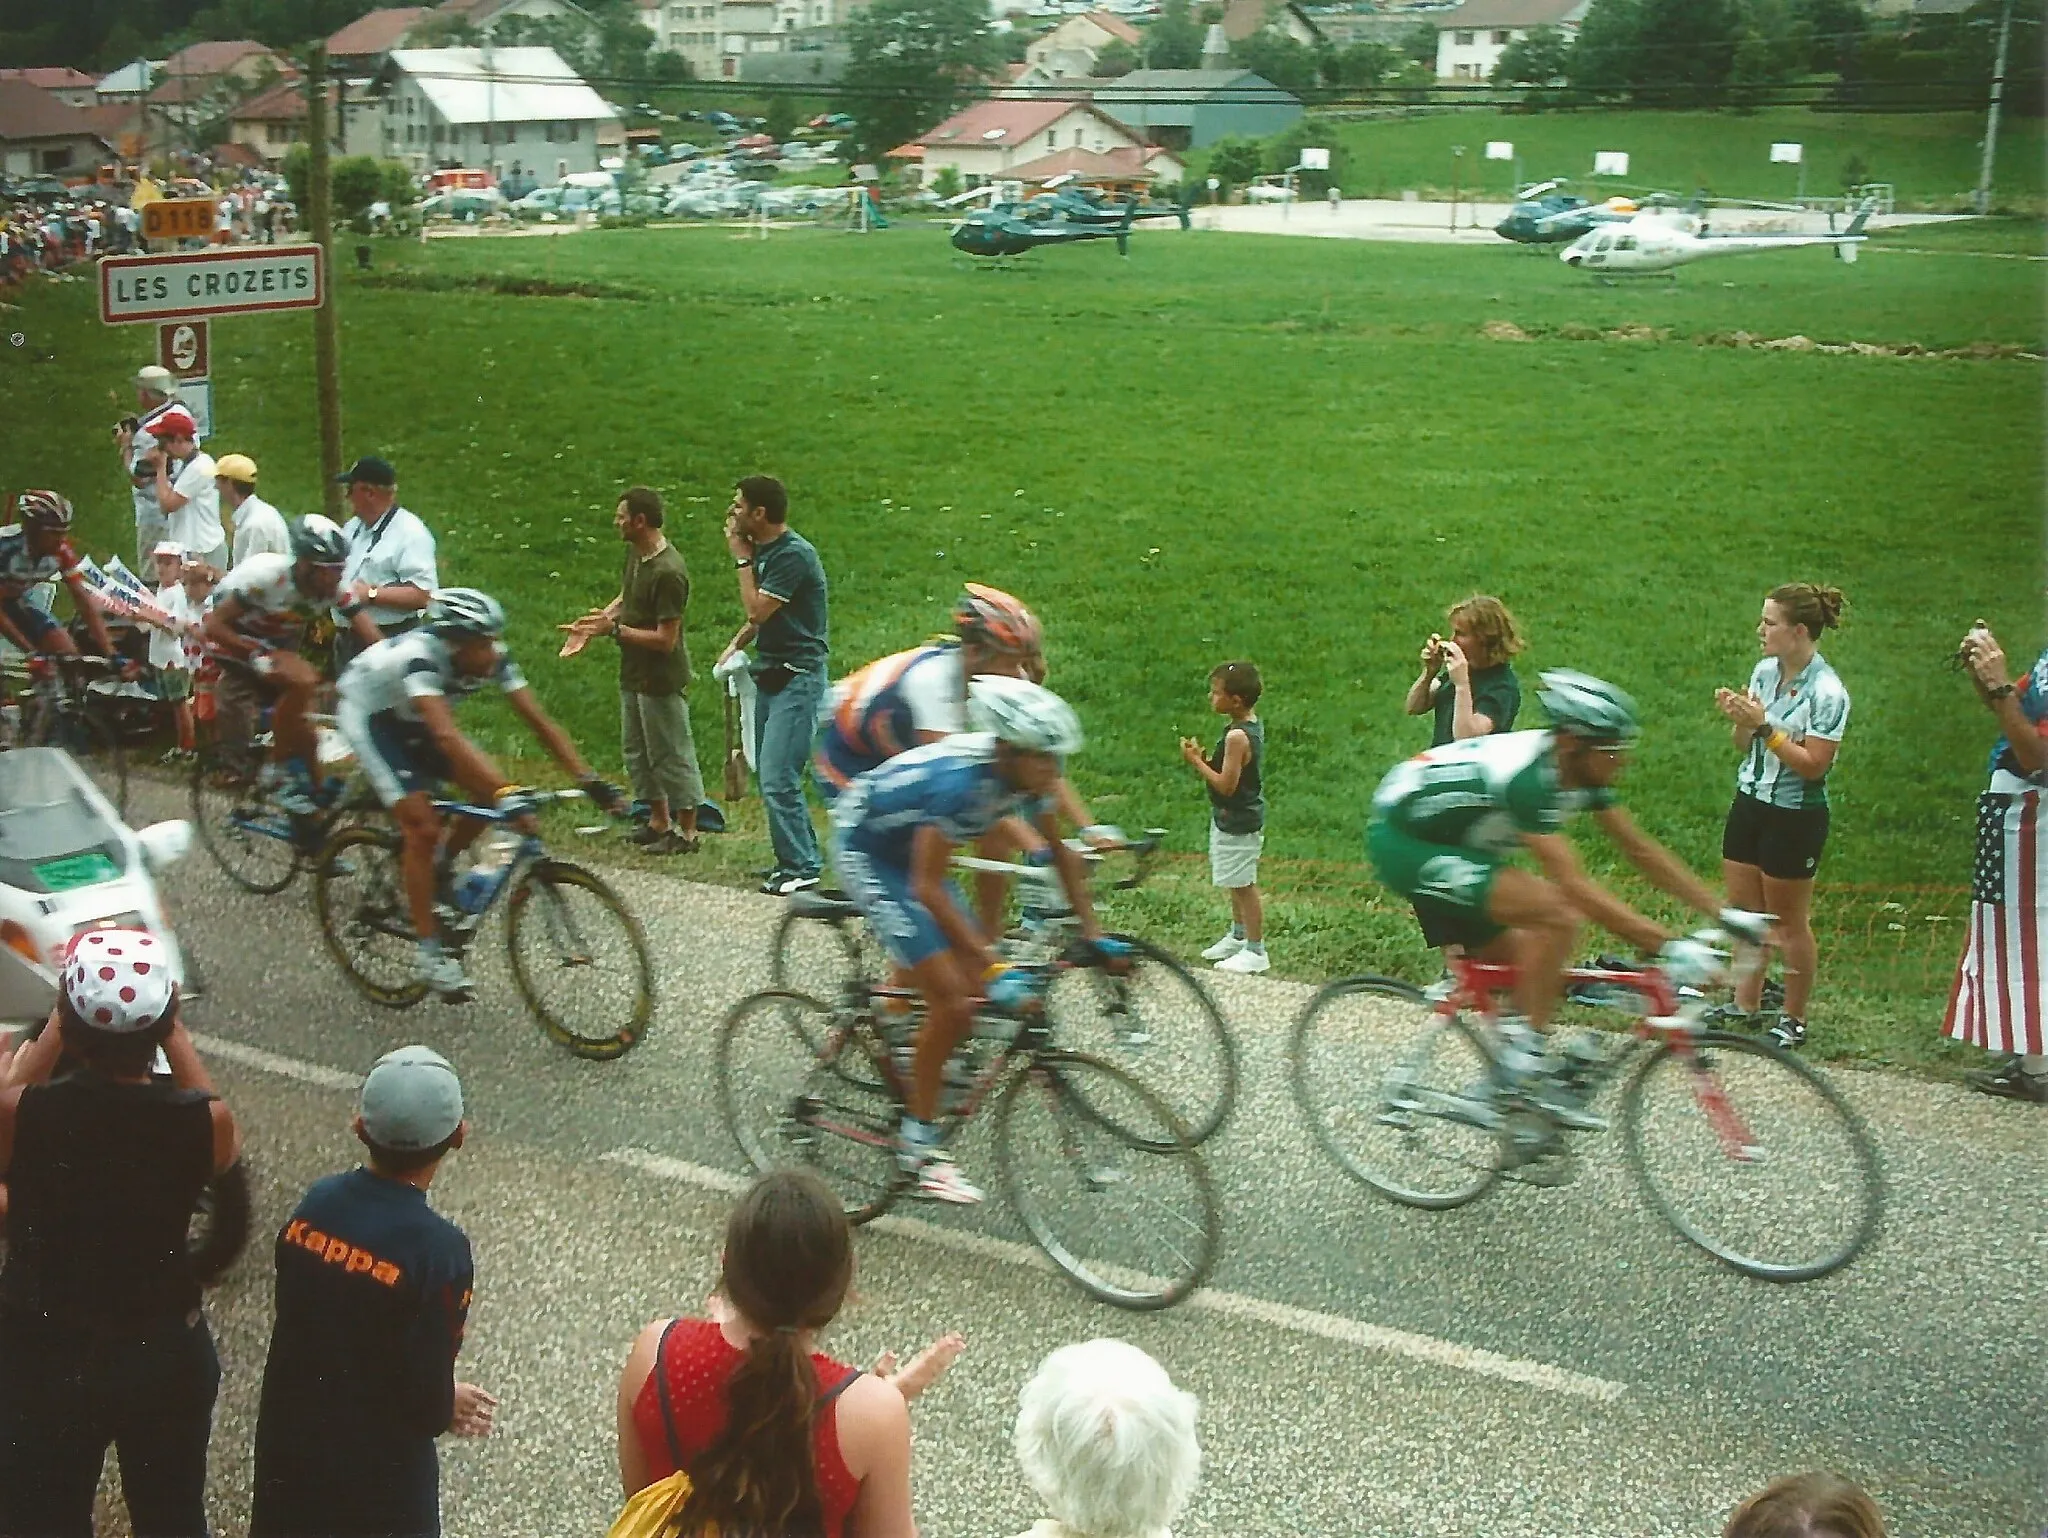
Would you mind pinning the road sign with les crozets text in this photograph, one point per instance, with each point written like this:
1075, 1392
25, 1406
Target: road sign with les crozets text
245, 280
178, 219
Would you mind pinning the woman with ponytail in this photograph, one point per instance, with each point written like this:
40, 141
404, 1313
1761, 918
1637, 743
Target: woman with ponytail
1788, 726
778, 1439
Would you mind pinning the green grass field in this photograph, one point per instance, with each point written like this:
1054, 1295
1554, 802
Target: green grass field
1296, 451
1931, 158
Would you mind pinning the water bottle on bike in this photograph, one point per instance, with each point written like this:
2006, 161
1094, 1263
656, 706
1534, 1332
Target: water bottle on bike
475, 888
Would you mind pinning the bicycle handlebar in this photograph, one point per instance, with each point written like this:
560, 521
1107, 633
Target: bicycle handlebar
1141, 849
536, 799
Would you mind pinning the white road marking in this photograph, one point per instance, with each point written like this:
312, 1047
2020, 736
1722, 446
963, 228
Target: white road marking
1234, 1305
270, 1062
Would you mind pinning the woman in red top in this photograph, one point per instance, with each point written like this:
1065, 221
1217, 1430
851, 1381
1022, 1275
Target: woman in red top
778, 1439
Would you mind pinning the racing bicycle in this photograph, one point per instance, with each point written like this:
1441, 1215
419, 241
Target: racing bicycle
1153, 1017
1749, 1152
58, 711
579, 958
1100, 1169
255, 842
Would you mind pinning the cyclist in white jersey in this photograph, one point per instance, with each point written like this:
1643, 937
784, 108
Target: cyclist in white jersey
396, 708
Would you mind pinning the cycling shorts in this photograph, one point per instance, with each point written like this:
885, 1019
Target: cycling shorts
398, 757
881, 891
1784, 842
32, 622
1448, 884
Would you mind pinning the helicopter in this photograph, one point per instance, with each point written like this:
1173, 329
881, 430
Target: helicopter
1072, 204
1003, 231
1647, 246
1543, 215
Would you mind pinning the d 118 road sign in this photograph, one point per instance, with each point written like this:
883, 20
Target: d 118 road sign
178, 218
238, 281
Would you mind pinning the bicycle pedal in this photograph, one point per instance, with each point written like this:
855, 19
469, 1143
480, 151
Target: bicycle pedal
1547, 1171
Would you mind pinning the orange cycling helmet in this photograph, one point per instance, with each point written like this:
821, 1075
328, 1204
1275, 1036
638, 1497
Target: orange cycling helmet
990, 617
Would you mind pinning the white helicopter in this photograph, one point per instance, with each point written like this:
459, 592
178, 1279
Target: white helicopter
1648, 245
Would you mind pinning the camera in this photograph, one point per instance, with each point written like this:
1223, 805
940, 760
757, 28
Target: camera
1979, 631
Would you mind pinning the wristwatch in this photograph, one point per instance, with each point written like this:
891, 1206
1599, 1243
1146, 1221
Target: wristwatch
370, 595
742, 564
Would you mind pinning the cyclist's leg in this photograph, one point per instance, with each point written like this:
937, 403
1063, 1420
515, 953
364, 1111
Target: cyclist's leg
918, 953
420, 826
1542, 930
992, 888
949, 1008
296, 682
387, 755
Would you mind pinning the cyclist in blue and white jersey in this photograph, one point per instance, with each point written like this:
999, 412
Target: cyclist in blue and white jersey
40, 551
256, 625
894, 833
396, 708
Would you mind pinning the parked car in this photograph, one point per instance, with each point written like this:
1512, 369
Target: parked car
1269, 190
466, 204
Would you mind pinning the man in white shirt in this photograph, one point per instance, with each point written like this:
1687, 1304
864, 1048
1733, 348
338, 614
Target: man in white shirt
390, 574
259, 527
155, 392
185, 490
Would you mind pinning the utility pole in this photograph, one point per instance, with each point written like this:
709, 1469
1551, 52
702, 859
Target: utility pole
326, 333
1457, 180
1991, 122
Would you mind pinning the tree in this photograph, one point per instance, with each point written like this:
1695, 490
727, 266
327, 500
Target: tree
781, 117
1368, 64
1273, 55
1832, 30
1604, 59
356, 181
912, 63
1685, 48
442, 29
1419, 43
1283, 153
1233, 161
1541, 56
1174, 41
947, 183
1117, 58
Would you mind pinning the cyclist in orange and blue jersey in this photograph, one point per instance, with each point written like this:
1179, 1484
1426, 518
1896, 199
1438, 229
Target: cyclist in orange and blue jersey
37, 552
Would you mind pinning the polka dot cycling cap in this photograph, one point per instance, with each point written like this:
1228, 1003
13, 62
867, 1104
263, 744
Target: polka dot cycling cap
118, 980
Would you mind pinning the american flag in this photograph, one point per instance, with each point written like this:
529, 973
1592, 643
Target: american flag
2000, 998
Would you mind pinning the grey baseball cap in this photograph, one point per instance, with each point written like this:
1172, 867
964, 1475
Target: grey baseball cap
411, 1100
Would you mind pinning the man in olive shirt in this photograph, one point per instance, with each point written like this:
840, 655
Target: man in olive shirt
783, 589
646, 619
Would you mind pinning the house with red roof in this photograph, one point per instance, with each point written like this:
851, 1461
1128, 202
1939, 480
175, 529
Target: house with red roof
1070, 49
988, 140
361, 46
73, 87
42, 136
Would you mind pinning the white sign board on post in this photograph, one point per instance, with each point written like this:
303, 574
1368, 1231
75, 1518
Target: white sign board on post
1788, 154
1610, 162
1315, 160
236, 281
1500, 149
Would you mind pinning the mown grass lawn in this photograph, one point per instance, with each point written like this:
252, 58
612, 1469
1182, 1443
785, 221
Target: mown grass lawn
1931, 159
1296, 451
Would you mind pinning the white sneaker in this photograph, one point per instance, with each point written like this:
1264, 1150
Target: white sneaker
940, 1180
443, 974
1229, 945
1246, 960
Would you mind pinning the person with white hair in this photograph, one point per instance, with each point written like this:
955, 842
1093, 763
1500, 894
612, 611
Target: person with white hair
1108, 1443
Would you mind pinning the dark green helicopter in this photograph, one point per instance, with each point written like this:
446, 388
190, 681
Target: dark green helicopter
1544, 216
1073, 204
1003, 230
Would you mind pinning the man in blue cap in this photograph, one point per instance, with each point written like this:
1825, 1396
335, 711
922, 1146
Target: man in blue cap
373, 1291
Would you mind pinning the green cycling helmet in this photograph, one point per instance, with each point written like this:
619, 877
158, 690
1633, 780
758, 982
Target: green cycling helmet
1588, 707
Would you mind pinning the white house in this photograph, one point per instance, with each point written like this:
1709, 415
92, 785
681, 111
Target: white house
1069, 50
488, 15
494, 107
714, 37
1469, 39
988, 140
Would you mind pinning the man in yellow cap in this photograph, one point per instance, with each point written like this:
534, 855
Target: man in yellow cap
259, 527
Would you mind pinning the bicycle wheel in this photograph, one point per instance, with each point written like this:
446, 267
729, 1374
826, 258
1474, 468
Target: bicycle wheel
248, 838
1382, 1078
88, 739
359, 893
820, 959
1157, 1022
787, 1103
579, 960
1132, 1220
1753, 1156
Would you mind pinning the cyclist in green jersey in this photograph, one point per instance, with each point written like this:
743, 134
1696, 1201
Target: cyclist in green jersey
1445, 822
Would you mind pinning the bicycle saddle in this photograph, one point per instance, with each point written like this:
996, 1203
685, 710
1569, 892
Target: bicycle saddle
827, 906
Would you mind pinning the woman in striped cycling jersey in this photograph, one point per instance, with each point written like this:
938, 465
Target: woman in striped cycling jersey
1788, 725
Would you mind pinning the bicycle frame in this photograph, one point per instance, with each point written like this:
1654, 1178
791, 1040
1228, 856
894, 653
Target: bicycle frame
1666, 1021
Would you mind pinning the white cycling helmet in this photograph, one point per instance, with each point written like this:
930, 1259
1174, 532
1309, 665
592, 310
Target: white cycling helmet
118, 980
1024, 714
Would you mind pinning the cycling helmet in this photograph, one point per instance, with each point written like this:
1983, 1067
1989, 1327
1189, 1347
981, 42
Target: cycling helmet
990, 617
44, 510
1024, 714
1588, 707
456, 612
118, 980
319, 540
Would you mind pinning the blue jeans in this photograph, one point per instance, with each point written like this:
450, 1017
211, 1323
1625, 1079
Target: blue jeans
783, 725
